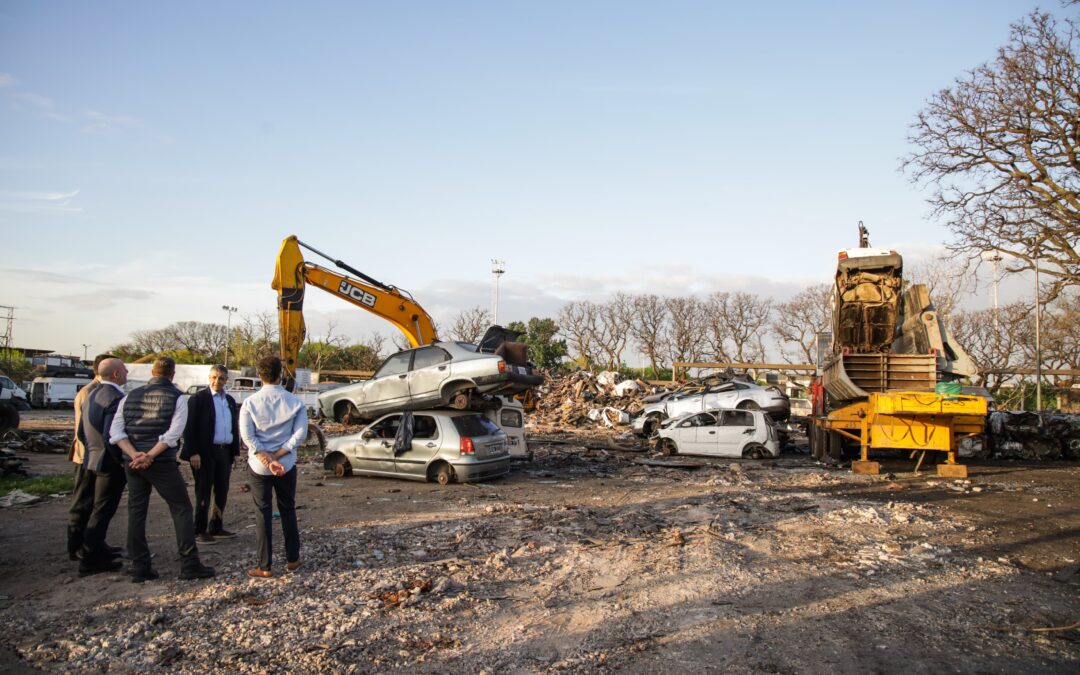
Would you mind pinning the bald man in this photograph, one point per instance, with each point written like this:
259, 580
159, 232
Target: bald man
103, 459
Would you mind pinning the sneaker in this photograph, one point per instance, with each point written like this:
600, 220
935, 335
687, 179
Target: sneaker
223, 534
197, 571
139, 576
259, 573
204, 538
88, 567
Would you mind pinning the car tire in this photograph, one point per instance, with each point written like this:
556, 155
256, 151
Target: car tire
444, 474
668, 447
756, 451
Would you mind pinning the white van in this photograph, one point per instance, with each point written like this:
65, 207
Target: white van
511, 419
55, 392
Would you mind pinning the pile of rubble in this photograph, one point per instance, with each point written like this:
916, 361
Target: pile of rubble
584, 399
1029, 435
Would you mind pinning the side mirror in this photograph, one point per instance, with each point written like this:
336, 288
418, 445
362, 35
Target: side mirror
367, 435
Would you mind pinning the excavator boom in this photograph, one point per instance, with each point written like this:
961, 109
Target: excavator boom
292, 274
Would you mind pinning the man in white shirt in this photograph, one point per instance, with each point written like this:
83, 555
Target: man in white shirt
147, 428
273, 424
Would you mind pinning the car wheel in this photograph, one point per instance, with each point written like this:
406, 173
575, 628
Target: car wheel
668, 447
748, 405
755, 451
444, 474
347, 413
342, 468
460, 400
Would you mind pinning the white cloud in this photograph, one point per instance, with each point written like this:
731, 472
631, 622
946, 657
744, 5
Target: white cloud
7, 80
39, 202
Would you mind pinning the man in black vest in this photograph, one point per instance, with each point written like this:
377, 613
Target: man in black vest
211, 444
147, 428
103, 459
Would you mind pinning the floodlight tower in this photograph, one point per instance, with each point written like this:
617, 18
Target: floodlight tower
228, 332
498, 268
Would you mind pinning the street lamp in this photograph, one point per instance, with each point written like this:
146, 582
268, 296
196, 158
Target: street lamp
1038, 335
228, 331
84, 348
498, 268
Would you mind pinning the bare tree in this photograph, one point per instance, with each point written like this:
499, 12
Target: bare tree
1061, 336
470, 324
995, 343
736, 324
797, 322
685, 334
945, 280
1001, 148
577, 321
650, 316
612, 328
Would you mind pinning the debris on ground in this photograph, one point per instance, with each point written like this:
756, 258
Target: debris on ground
1031, 435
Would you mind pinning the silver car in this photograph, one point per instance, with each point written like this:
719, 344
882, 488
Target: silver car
709, 393
720, 433
440, 374
445, 445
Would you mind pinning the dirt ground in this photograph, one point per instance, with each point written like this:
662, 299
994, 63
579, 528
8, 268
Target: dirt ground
584, 560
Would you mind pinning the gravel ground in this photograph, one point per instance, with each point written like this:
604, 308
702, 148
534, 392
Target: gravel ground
585, 561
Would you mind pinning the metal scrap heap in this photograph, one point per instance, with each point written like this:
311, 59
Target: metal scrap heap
584, 399
1030, 435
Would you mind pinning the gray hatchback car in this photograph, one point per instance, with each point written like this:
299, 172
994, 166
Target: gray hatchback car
445, 445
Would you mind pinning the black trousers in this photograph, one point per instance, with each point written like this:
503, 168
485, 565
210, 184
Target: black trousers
109, 484
82, 504
262, 488
212, 477
163, 476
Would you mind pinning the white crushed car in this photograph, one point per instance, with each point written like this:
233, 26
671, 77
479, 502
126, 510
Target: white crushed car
442, 374
720, 433
710, 393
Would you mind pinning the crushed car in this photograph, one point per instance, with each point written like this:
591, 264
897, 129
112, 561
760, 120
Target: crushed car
433, 445
716, 391
720, 433
442, 374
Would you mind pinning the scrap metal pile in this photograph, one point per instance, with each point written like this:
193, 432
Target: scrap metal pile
583, 399
1029, 435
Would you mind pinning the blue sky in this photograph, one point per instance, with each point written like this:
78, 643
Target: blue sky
153, 156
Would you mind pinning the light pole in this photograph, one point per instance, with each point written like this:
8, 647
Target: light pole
84, 348
995, 257
1038, 336
498, 268
228, 331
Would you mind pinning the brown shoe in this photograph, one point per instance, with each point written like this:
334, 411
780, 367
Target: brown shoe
259, 573
293, 566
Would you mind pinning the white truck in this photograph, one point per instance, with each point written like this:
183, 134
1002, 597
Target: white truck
55, 392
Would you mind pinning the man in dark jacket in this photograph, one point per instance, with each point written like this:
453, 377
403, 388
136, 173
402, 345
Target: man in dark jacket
147, 428
211, 444
103, 460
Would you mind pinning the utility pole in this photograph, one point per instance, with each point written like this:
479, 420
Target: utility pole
498, 268
84, 348
8, 318
228, 331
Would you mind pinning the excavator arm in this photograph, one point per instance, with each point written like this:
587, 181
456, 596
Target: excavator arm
291, 276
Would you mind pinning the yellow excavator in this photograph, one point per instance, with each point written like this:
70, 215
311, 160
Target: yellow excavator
293, 274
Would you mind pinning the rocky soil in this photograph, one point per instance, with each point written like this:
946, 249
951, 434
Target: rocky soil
585, 560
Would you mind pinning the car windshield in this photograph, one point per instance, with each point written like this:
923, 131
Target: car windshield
474, 425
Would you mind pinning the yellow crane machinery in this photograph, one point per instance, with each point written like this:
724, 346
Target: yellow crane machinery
891, 379
293, 274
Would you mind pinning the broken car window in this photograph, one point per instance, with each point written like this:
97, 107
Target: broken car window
738, 418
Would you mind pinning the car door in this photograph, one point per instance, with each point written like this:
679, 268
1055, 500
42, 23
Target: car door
704, 427
722, 396
425, 445
374, 452
389, 386
430, 368
735, 428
